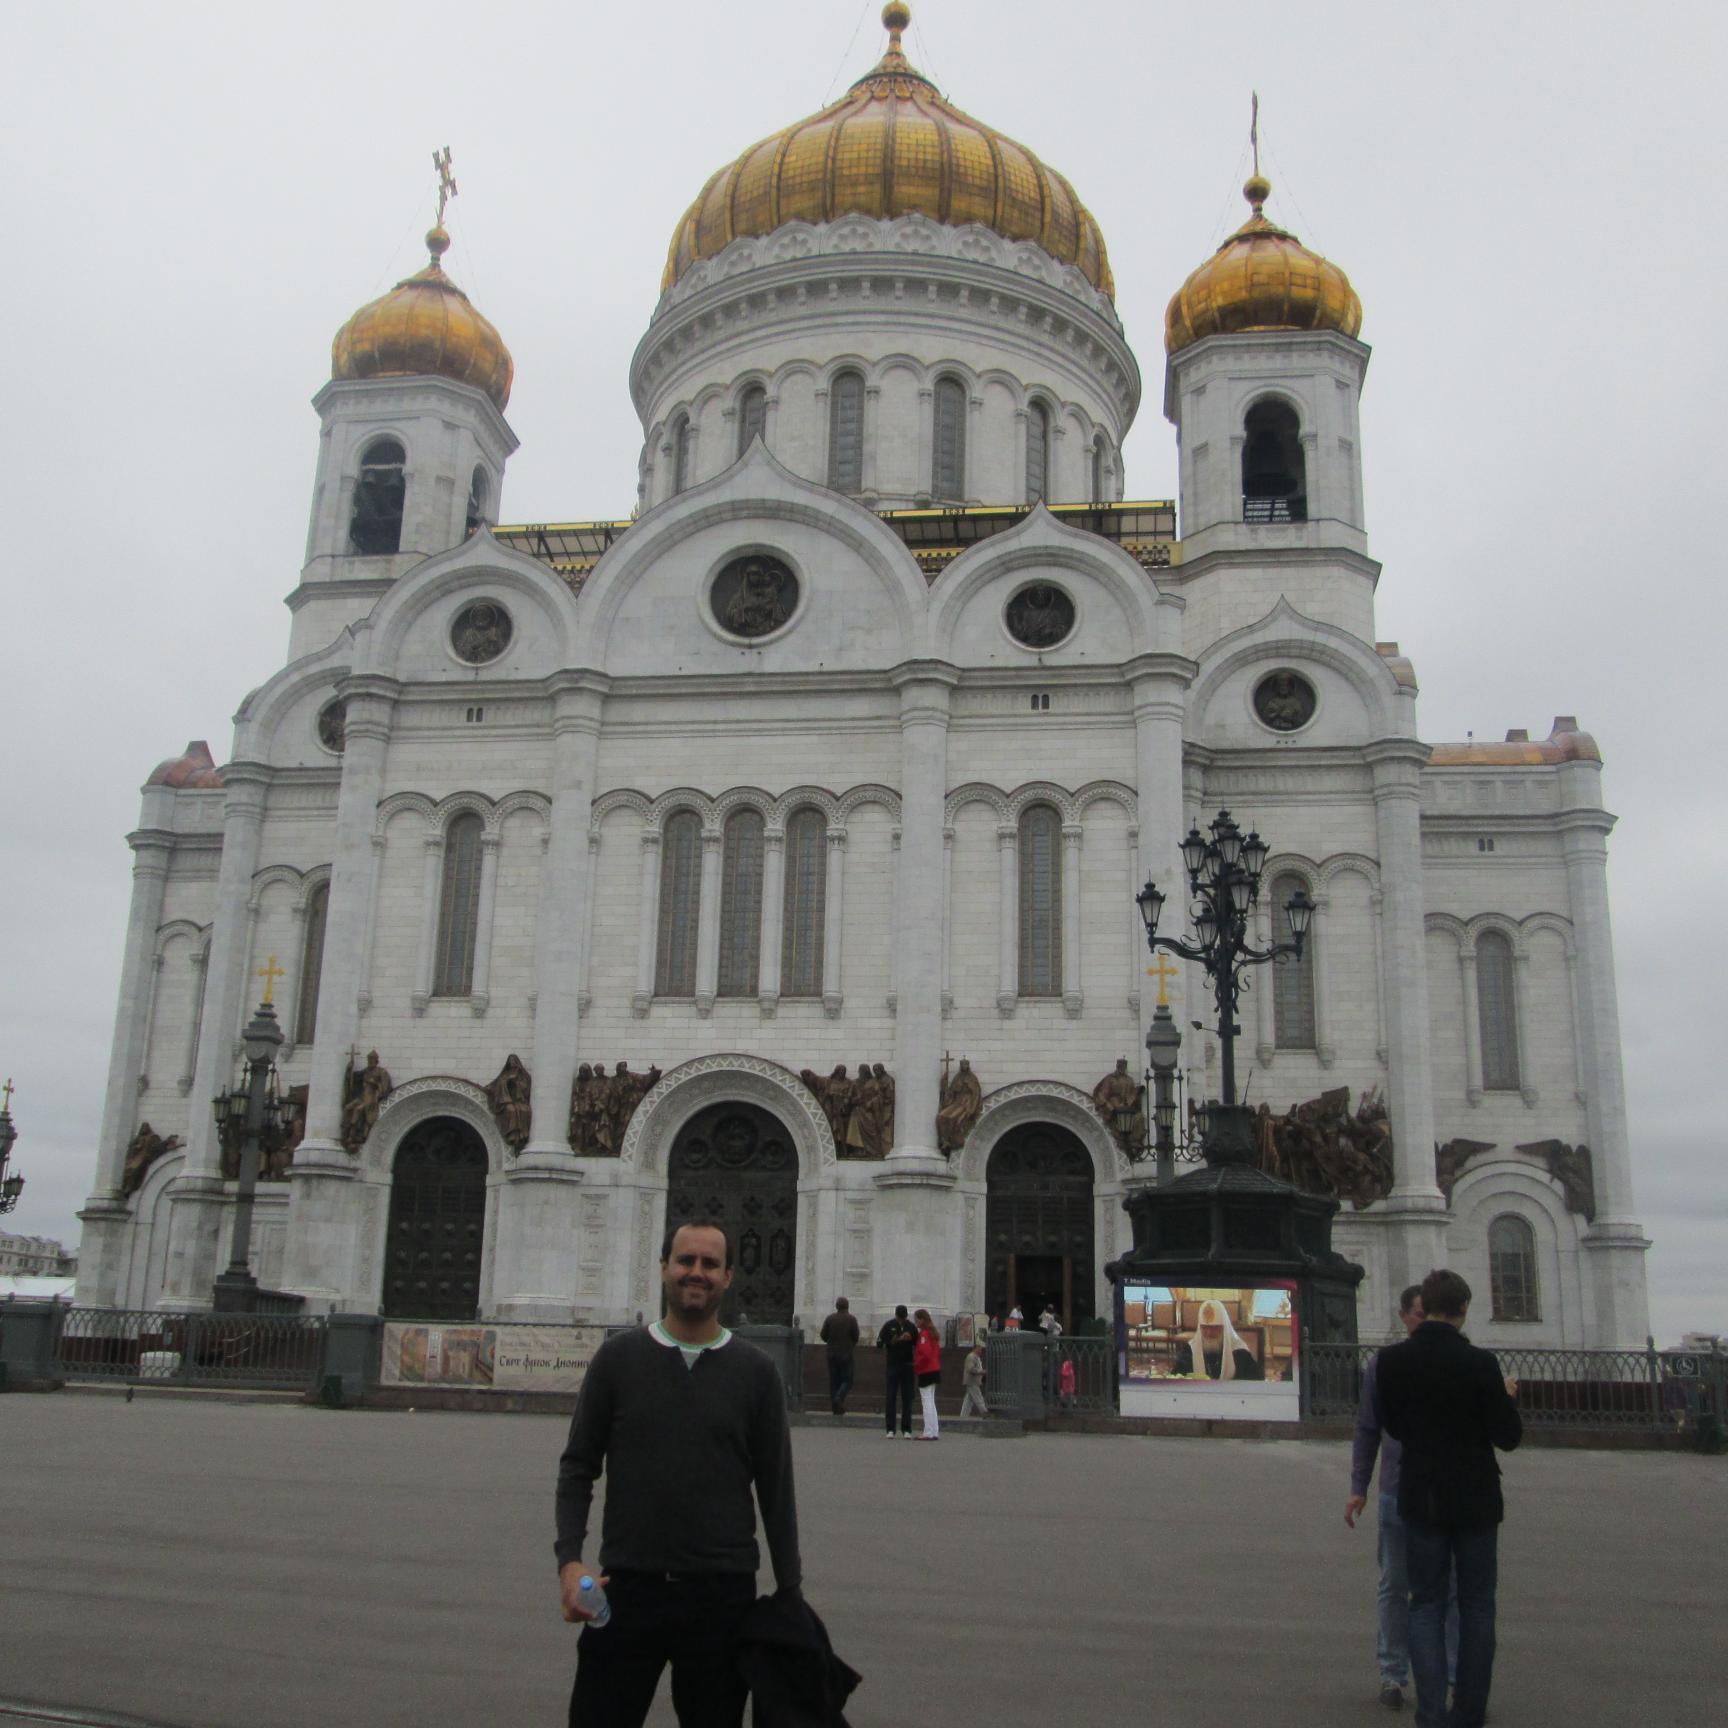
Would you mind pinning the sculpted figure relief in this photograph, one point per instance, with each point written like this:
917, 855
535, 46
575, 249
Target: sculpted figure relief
1571, 1167
1450, 1159
755, 595
885, 1081
602, 1104
1284, 701
1040, 616
1121, 1102
835, 1096
868, 1130
624, 1092
147, 1146
367, 1089
1323, 1148
962, 1103
510, 1094
481, 632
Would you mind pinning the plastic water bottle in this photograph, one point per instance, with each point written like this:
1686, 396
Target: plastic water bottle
591, 1599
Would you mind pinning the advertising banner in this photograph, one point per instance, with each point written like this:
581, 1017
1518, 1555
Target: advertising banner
1227, 1352
489, 1358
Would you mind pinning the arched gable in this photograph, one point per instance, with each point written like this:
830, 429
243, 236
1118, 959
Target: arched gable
417, 1101
1042, 1101
693, 1085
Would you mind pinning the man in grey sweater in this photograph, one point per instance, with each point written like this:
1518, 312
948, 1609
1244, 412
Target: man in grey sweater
685, 1420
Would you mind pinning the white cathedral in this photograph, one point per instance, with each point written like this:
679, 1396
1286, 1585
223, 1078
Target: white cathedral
850, 748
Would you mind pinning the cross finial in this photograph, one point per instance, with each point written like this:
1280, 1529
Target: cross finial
270, 972
447, 188
8, 1090
1253, 134
1163, 972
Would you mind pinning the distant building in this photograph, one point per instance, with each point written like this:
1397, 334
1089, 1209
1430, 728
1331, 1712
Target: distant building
36, 1256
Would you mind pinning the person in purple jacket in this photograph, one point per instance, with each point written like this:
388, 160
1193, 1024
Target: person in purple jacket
1371, 1438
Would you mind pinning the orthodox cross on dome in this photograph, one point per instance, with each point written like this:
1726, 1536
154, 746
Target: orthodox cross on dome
1163, 972
270, 972
1253, 131
8, 1089
447, 188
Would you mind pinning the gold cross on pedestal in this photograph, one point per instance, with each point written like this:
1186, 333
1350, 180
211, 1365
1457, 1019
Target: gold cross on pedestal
1163, 972
270, 973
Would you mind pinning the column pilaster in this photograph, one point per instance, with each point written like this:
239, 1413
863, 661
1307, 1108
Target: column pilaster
833, 925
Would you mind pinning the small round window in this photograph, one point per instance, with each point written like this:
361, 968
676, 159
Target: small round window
1040, 616
1284, 701
333, 726
754, 595
481, 632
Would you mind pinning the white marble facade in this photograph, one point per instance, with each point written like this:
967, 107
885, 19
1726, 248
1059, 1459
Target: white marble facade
903, 710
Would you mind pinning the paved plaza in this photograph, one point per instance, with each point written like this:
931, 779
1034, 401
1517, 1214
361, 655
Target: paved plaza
247, 1565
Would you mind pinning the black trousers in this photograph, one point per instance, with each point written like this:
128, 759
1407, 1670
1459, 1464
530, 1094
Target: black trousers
839, 1382
688, 1620
902, 1388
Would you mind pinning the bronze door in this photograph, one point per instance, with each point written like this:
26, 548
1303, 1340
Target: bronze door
1038, 1226
437, 1227
735, 1165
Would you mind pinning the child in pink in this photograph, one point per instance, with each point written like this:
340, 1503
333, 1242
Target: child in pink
1065, 1387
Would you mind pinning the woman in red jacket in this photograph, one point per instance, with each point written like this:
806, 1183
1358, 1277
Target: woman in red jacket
927, 1365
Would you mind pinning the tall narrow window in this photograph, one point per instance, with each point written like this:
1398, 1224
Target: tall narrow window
680, 905
1497, 1008
1037, 452
1098, 470
1512, 1268
683, 453
741, 903
1273, 484
379, 490
1292, 979
752, 416
846, 432
948, 441
805, 912
458, 908
478, 493
1040, 901
312, 964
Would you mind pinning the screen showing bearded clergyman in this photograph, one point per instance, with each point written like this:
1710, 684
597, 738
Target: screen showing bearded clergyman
1182, 1334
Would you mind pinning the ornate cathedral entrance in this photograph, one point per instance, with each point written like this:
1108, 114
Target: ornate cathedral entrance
736, 1165
1038, 1225
437, 1225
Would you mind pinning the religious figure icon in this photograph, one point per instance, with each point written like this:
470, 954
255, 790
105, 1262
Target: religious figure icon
1120, 1100
1284, 700
962, 1104
754, 595
1040, 616
368, 1087
147, 1146
511, 1093
333, 726
481, 632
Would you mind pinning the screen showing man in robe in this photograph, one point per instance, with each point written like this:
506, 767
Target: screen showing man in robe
1179, 1333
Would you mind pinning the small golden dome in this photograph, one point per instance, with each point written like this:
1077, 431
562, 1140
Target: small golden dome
425, 327
891, 146
1261, 278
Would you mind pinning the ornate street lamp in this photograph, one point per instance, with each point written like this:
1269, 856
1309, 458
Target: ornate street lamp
11, 1186
246, 1118
1224, 885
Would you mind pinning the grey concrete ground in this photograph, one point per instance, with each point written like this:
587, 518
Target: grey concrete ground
268, 1566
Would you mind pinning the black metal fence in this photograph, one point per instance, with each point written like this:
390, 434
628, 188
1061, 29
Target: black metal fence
146, 1347
1023, 1375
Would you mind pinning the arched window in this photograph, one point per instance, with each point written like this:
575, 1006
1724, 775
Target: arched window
1497, 1012
458, 908
752, 416
1273, 487
805, 913
948, 441
1292, 979
1512, 1268
379, 489
1037, 452
683, 453
741, 903
478, 493
1098, 456
312, 964
846, 432
1040, 901
680, 905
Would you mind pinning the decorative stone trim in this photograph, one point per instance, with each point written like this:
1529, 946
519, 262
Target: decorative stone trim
416, 1101
715, 1079
1042, 1101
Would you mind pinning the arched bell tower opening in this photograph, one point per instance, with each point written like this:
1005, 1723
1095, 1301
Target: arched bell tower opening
1274, 482
436, 1235
1038, 1225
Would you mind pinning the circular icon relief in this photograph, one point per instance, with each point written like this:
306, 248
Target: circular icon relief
1040, 616
333, 726
753, 595
481, 632
1284, 701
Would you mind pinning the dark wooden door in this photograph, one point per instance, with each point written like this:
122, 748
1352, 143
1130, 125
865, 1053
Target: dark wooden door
736, 1165
437, 1228
1038, 1225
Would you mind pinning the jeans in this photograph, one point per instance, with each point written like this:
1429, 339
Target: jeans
1470, 1554
1394, 1649
902, 1388
839, 1382
691, 1622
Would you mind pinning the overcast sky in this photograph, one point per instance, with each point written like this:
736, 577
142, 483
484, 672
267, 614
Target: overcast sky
1527, 197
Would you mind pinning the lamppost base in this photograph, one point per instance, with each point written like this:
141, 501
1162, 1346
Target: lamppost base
235, 1293
1231, 1139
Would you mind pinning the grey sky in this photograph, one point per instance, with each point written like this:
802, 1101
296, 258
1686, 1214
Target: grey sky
1525, 197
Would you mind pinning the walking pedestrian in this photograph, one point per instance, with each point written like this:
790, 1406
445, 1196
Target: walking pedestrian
1394, 1597
685, 1420
927, 1366
972, 1404
898, 1341
840, 1334
1448, 1405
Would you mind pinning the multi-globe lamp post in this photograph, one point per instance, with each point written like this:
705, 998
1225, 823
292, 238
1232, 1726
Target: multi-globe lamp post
1224, 873
11, 1185
249, 1116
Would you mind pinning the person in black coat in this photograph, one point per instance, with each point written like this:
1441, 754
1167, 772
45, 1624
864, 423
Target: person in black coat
1447, 1403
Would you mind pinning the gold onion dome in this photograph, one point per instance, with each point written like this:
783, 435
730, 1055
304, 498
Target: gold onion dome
891, 146
425, 327
1261, 278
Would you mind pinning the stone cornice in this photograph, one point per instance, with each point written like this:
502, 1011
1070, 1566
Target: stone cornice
336, 588
384, 398
1193, 566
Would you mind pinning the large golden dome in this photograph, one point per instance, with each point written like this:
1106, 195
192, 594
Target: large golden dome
1261, 278
891, 146
425, 327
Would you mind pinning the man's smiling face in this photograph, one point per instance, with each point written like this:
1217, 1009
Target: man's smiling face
695, 1273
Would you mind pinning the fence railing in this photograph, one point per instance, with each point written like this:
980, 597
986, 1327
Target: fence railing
1023, 1374
1647, 1389
147, 1347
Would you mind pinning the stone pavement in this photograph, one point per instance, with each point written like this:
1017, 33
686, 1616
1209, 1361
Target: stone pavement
268, 1566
